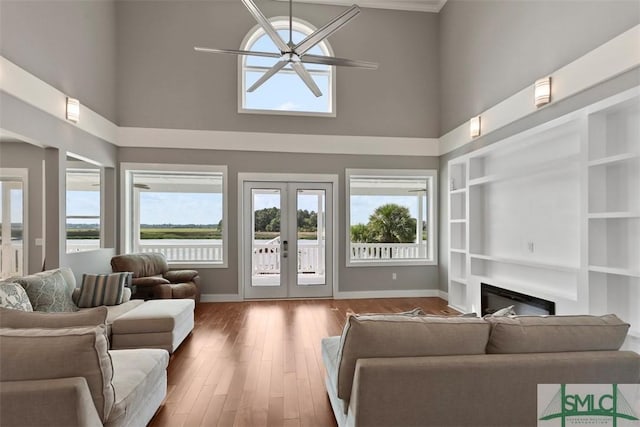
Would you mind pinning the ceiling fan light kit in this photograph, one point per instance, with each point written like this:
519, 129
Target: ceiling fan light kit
296, 54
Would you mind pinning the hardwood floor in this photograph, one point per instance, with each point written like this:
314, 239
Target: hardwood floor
259, 363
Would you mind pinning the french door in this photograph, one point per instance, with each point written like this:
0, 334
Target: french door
12, 223
288, 239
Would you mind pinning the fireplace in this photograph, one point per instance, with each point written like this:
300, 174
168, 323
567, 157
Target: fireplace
493, 298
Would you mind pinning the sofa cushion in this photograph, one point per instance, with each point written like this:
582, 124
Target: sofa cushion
102, 289
49, 290
180, 276
552, 334
142, 265
33, 354
405, 336
150, 281
139, 375
13, 296
23, 320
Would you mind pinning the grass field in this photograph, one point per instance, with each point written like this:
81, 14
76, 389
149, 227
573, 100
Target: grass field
182, 233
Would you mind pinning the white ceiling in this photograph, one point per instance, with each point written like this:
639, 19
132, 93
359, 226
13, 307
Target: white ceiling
414, 5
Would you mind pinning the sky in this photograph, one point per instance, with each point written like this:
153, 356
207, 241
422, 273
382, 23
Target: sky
285, 91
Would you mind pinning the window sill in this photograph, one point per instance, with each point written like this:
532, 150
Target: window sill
398, 263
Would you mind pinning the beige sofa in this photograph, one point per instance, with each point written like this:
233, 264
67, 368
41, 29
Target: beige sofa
56, 370
394, 370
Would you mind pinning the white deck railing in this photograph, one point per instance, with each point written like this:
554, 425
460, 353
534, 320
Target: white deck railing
371, 251
185, 252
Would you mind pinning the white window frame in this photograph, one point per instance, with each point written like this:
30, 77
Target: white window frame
280, 22
431, 175
127, 204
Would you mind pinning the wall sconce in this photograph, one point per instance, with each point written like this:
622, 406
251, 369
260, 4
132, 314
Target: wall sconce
73, 110
542, 91
474, 126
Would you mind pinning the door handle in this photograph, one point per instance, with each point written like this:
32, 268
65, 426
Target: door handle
285, 248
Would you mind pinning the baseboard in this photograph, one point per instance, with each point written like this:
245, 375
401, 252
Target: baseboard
220, 298
410, 293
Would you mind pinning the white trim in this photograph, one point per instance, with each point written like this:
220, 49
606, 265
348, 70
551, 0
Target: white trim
431, 215
443, 295
618, 55
399, 293
302, 26
126, 199
278, 142
22, 174
30, 89
285, 177
220, 298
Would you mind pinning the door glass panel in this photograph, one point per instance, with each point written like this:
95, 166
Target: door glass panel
11, 229
265, 237
311, 233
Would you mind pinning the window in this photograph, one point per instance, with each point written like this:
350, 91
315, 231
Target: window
391, 217
285, 92
83, 222
178, 211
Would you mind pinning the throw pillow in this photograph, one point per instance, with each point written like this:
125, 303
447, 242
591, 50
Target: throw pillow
102, 289
48, 291
23, 320
506, 311
13, 296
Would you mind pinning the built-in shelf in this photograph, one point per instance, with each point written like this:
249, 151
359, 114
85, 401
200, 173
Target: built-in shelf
527, 263
615, 270
457, 221
528, 171
613, 159
613, 215
459, 280
458, 191
458, 251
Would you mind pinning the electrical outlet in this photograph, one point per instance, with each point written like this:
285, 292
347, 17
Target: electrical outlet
394, 276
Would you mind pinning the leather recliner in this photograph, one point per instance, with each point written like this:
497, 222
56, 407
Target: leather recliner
152, 278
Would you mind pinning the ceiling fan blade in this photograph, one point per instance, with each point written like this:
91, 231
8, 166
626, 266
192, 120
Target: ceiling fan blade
266, 26
238, 52
317, 36
267, 75
306, 78
330, 60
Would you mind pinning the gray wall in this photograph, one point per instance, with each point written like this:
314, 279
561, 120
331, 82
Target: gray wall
225, 280
490, 49
164, 83
54, 139
68, 44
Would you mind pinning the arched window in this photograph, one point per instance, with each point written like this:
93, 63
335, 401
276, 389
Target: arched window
285, 92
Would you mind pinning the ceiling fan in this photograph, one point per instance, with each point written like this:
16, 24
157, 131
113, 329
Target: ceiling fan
296, 54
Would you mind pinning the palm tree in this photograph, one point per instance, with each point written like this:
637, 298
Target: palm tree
392, 223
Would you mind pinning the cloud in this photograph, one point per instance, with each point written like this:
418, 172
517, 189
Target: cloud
287, 106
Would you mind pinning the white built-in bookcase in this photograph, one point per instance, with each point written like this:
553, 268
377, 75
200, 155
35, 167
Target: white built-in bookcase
553, 212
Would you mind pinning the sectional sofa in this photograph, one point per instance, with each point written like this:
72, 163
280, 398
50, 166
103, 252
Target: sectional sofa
400, 370
91, 367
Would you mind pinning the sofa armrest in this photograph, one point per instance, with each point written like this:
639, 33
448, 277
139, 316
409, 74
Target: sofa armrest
62, 401
180, 276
